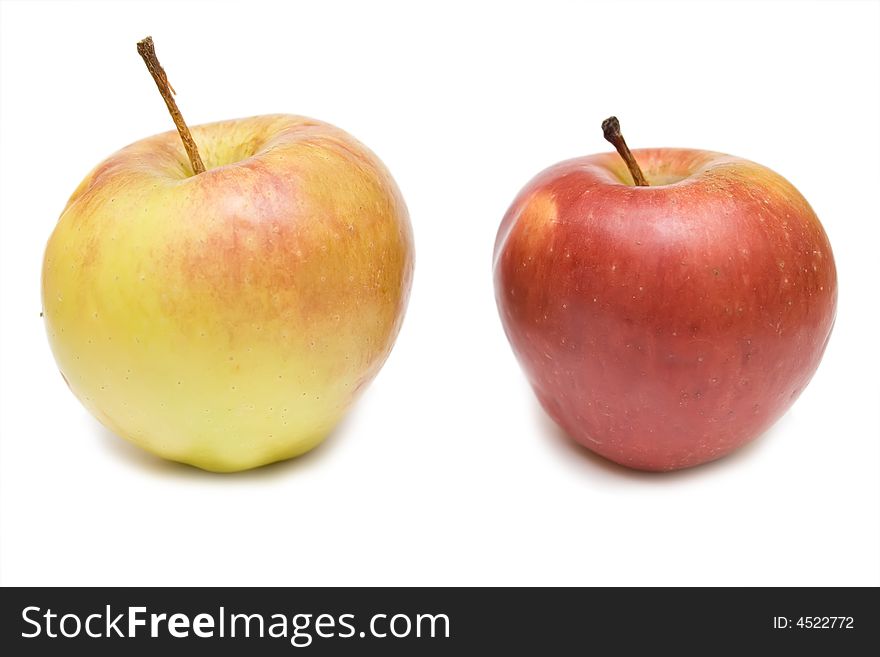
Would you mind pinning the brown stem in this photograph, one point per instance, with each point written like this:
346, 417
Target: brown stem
611, 129
147, 51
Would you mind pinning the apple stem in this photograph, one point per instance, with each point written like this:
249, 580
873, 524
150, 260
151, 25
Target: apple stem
147, 51
611, 129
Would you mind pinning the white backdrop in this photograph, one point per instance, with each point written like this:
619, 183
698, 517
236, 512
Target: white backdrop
446, 471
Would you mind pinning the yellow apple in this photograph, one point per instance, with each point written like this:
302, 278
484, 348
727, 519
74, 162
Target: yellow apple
229, 319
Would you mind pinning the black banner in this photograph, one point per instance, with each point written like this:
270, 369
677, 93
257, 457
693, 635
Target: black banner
416, 621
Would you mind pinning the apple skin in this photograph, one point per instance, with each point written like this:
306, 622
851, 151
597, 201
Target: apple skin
664, 326
228, 320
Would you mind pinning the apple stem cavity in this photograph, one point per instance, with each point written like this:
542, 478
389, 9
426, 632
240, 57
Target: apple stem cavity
147, 51
611, 130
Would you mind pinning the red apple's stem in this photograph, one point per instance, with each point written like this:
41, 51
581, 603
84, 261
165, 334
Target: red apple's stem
611, 129
147, 51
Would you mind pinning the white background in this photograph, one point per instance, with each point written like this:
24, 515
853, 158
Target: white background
446, 471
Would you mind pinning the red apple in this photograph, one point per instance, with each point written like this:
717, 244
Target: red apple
667, 324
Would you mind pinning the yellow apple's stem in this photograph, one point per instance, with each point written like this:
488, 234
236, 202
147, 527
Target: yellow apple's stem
611, 130
147, 51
